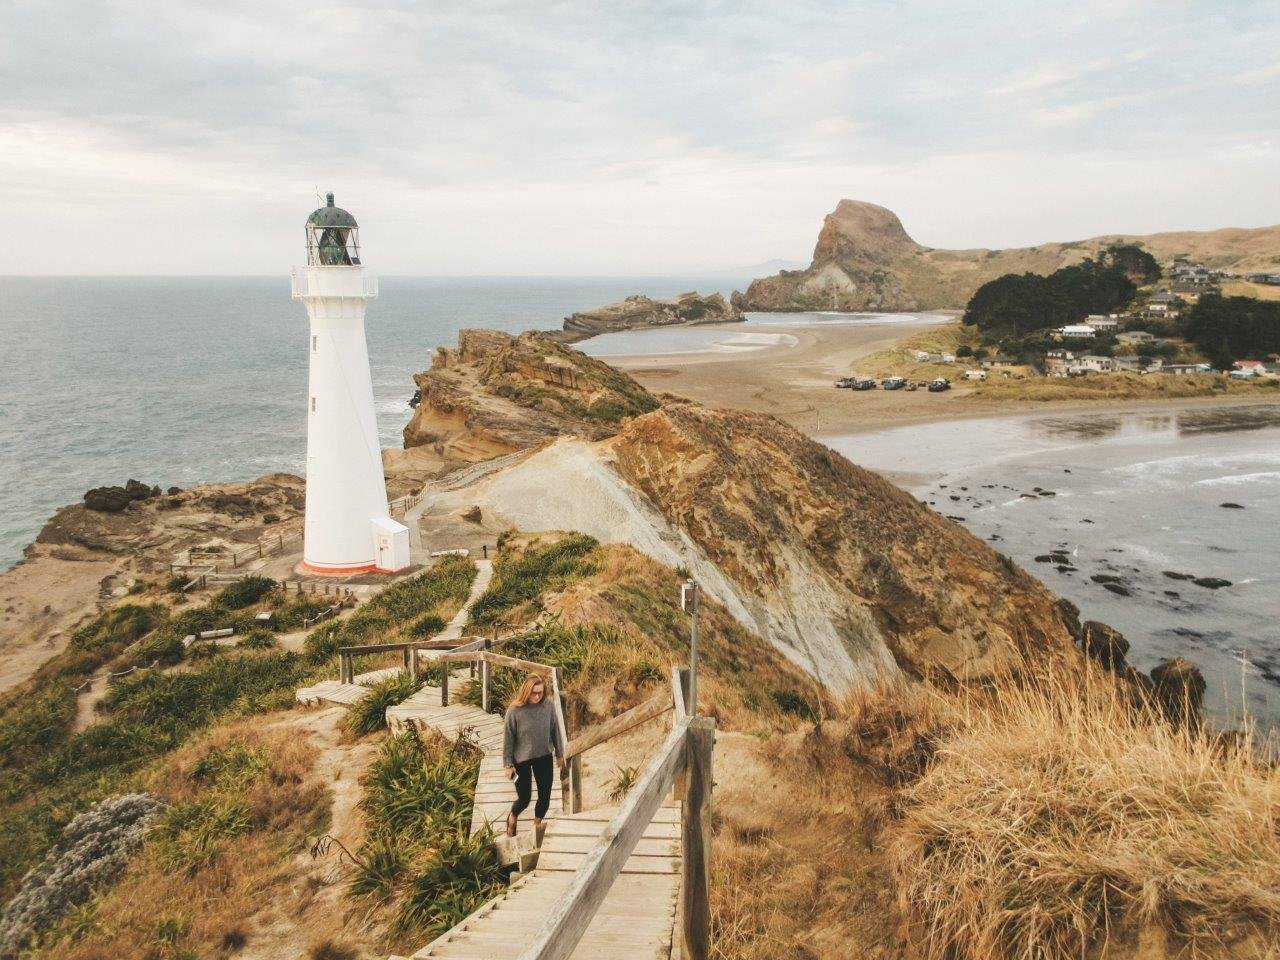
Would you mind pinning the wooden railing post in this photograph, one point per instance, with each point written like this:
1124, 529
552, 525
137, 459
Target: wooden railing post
680, 675
575, 783
484, 685
695, 840
415, 668
444, 686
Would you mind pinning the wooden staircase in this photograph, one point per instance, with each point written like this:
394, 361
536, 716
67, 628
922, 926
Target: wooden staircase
636, 920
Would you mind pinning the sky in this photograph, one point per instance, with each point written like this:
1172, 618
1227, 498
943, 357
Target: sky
619, 138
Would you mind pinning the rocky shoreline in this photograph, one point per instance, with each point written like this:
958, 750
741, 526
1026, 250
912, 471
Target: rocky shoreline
639, 312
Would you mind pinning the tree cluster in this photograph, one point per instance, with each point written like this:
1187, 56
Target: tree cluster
1015, 305
1227, 329
1138, 265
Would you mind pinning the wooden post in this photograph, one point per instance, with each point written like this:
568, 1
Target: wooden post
405, 659
695, 839
682, 776
575, 783
444, 686
414, 666
484, 685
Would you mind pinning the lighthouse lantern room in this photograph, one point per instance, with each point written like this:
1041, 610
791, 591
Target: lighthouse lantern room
347, 528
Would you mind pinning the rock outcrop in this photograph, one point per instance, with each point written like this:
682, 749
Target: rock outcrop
496, 393
850, 575
865, 260
640, 313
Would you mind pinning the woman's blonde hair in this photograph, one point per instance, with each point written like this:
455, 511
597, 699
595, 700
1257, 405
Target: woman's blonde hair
526, 690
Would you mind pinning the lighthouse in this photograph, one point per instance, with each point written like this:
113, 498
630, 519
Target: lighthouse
348, 528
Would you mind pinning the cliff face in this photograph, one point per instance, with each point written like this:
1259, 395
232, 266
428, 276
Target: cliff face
640, 313
851, 576
496, 393
865, 260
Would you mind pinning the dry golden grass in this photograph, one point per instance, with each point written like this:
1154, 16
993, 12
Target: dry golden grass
1259, 291
899, 362
159, 909
1057, 820
1121, 386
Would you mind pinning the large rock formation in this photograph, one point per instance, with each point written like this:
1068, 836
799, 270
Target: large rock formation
496, 393
865, 260
640, 313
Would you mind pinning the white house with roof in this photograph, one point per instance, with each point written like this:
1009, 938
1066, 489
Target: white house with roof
1075, 331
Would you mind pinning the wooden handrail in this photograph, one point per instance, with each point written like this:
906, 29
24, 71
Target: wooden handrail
495, 659
568, 918
653, 707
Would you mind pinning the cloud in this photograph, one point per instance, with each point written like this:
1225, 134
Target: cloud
510, 137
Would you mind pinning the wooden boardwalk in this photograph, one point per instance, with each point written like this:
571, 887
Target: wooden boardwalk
636, 921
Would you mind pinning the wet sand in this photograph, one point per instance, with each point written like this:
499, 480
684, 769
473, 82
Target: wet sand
795, 383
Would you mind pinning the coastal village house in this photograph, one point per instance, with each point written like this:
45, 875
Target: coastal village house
1101, 323
999, 362
1057, 362
1075, 331
1136, 337
1095, 364
1181, 369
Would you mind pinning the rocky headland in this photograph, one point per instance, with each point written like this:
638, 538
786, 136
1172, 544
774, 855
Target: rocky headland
865, 260
639, 312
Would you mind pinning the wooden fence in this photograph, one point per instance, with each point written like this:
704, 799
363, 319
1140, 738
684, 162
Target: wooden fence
212, 561
347, 655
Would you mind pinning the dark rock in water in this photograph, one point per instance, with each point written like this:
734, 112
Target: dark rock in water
1173, 593
995, 536
1065, 470
954, 497
957, 519
1232, 506
1116, 589
173, 491
1179, 686
1213, 583
107, 499
1044, 558
1027, 496
1065, 568
964, 488
1105, 644
1179, 576
1048, 493
138, 490
1037, 489
1106, 578
1086, 520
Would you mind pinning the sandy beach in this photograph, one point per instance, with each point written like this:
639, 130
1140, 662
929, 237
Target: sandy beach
795, 383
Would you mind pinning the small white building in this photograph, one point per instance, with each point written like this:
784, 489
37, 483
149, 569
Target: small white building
1075, 331
975, 374
1096, 364
1101, 323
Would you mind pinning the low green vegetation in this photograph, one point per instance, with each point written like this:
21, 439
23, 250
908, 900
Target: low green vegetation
418, 858
520, 578
565, 647
442, 588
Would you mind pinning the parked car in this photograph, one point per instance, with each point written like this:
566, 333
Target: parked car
864, 383
844, 383
893, 383
939, 385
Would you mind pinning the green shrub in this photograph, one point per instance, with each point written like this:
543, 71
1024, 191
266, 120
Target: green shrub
164, 645
428, 625
258, 638
33, 724
294, 614
460, 874
380, 864
524, 578
370, 713
788, 701
414, 790
244, 593
551, 644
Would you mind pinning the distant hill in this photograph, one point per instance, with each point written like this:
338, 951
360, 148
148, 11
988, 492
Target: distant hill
865, 260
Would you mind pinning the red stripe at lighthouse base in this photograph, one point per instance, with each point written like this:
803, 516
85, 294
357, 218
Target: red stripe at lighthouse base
338, 571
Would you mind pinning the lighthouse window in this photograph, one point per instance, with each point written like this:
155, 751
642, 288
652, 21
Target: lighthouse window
315, 342
313, 404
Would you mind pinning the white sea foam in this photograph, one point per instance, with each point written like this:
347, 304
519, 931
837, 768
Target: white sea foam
1236, 479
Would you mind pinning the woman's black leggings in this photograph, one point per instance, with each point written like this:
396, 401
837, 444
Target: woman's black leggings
541, 770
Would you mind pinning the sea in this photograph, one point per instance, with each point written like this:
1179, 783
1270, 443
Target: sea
178, 381
1121, 512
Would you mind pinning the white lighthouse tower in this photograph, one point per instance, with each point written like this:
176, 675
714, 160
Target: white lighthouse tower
348, 529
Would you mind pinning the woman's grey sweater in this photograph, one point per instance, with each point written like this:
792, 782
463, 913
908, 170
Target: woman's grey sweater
530, 732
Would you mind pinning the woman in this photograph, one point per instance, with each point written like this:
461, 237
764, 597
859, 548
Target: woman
530, 739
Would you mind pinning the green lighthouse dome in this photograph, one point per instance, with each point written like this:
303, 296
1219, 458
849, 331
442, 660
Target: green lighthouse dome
331, 216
